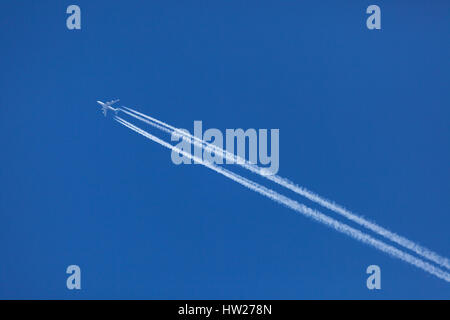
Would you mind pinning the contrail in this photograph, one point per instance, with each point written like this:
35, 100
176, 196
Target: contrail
298, 207
400, 240
160, 127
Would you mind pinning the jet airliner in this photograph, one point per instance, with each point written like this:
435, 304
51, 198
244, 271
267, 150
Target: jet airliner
107, 106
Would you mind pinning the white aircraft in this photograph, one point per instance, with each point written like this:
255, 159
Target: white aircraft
107, 106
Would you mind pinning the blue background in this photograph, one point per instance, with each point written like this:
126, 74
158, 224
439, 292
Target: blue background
363, 116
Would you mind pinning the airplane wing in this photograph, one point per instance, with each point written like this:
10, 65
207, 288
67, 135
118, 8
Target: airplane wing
110, 103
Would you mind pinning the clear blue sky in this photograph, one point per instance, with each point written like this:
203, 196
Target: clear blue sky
363, 115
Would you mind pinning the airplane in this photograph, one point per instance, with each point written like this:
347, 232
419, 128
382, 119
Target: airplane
107, 106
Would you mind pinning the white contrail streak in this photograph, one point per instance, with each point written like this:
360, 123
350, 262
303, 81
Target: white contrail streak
298, 207
160, 127
406, 243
